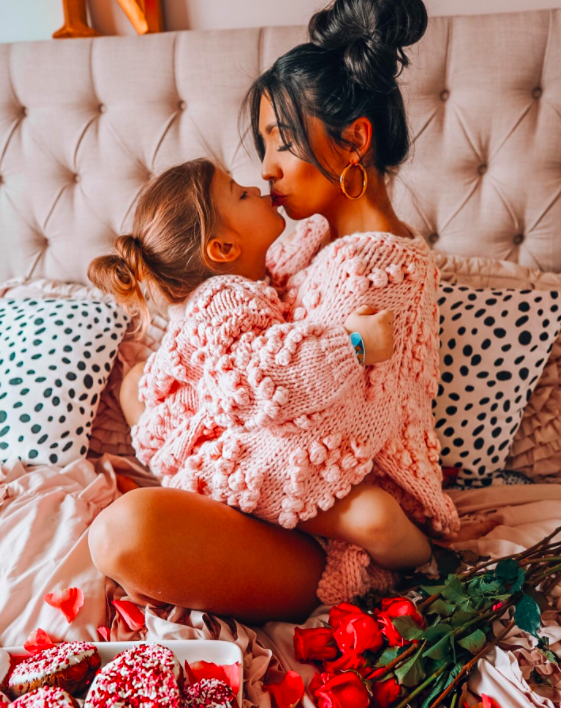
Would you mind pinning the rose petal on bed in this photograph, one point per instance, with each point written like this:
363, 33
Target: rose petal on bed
288, 693
104, 633
68, 601
134, 619
37, 641
489, 702
229, 673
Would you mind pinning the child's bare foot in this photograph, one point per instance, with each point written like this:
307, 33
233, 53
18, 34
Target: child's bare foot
469, 531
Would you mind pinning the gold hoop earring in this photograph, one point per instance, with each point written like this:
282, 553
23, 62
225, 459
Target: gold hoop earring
364, 180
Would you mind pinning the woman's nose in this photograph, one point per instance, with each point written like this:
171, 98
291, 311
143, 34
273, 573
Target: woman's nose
270, 171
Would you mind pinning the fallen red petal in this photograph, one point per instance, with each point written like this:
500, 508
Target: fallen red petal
229, 673
37, 641
489, 702
134, 619
288, 693
104, 633
68, 601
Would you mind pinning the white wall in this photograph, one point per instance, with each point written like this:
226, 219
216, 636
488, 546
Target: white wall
38, 19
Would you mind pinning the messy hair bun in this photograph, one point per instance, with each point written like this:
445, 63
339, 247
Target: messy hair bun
370, 35
348, 69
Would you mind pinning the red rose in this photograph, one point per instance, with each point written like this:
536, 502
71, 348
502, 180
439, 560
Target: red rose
389, 631
342, 691
349, 660
342, 611
399, 606
314, 644
396, 607
353, 629
385, 692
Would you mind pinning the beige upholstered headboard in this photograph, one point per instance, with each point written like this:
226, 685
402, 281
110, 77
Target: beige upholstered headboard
83, 123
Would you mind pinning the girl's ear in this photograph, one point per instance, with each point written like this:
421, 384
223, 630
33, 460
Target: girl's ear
223, 250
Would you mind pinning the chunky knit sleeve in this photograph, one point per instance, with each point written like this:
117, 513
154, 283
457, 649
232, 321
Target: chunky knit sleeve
152, 430
288, 256
260, 370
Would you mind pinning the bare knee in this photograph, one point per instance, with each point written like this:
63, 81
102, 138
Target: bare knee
114, 533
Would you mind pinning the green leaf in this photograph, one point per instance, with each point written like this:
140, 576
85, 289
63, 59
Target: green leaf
453, 673
441, 649
507, 570
407, 627
436, 630
412, 672
517, 585
440, 607
473, 642
527, 615
540, 599
389, 654
454, 590
432, 589
437, 688
460, 617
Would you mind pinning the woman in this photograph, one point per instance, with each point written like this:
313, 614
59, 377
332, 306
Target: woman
327, 108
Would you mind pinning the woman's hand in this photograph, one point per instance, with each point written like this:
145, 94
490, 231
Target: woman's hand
376, 330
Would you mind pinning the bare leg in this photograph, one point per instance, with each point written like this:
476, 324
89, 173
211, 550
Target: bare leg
371, 518
128, 395
173, 546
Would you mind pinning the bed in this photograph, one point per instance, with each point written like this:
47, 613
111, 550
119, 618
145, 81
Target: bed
84, 124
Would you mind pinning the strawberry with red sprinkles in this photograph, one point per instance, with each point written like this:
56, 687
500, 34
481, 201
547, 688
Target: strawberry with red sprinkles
147, 676
46, 697
209, 693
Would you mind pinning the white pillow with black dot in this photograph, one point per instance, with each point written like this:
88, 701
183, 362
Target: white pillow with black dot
55, 359
494, 344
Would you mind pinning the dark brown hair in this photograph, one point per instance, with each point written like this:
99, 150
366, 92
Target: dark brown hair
173, 221
348, 69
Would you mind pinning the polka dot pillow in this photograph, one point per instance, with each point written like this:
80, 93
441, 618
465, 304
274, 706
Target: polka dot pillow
494, 344
55, 358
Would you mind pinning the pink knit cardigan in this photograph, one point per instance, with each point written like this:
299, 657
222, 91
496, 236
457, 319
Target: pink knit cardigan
256, 399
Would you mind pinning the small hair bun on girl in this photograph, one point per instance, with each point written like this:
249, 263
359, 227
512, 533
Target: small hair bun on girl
371, 35
120, 274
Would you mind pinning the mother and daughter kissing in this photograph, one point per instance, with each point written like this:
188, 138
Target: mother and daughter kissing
287, 412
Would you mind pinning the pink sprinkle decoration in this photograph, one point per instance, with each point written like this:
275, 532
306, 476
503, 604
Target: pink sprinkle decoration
68, 601
209, 693
37, 641
134, 619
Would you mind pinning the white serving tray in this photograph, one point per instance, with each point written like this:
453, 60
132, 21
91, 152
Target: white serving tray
191, 650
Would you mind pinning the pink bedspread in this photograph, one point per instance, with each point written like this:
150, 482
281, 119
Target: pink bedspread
44, 519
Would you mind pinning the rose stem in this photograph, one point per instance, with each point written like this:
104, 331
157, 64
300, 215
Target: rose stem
397, 659
471, 664
422, 686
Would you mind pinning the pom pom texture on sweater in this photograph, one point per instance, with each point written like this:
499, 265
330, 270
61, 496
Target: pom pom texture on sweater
256, 399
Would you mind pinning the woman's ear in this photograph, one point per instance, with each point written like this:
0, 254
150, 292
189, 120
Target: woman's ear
223, 249
359, 133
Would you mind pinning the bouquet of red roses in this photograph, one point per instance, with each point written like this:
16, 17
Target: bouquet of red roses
418, 650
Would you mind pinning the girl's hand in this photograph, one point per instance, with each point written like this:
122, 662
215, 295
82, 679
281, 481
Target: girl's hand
376, 330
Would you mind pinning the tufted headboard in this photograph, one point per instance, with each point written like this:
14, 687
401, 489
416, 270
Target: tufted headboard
83, 124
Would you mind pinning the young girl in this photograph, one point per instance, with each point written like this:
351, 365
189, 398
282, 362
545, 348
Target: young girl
250, 400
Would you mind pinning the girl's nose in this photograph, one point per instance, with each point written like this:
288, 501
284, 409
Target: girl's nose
256, 191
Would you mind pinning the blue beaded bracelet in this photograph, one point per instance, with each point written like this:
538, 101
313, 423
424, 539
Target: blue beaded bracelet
358, 344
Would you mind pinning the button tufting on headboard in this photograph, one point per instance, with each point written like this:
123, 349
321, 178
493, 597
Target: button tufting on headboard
111, 112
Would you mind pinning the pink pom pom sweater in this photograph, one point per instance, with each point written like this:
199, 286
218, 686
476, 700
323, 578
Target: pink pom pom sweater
256, 398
